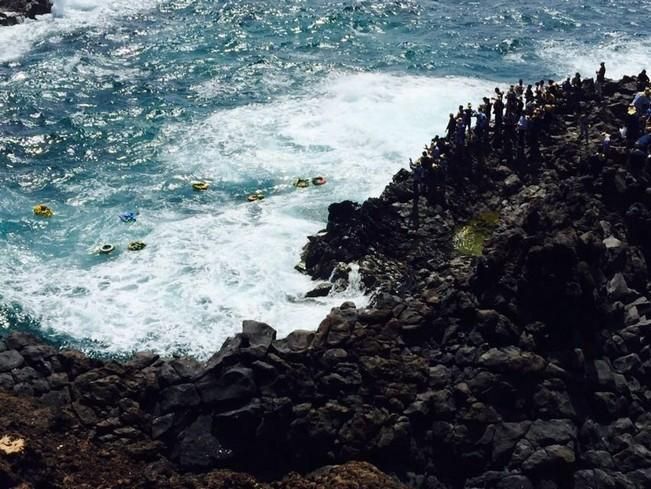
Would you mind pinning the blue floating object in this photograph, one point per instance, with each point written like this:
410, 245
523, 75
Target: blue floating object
128, 216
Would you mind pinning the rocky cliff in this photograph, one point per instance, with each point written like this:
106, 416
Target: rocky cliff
526, 367
15, 11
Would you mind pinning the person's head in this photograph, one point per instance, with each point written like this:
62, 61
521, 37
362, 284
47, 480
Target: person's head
424, 153
520, 82
451, 116
643, 72
602, 64
529, 87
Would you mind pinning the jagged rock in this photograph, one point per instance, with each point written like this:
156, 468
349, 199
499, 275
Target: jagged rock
511, 359
198, 448
612, 243
235, 384
549, 458
617, 287
321, 290
259, 335
161, 425
178, 396
464, 372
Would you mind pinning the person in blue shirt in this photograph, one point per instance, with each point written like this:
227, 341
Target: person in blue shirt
642, 102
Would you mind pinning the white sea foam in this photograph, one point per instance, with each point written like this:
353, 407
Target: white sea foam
622, 55
67, 16
207, 267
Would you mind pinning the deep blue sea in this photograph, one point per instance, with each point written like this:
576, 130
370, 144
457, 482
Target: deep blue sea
109, 106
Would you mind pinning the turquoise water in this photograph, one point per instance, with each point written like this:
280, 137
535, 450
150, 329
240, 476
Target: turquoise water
114, 106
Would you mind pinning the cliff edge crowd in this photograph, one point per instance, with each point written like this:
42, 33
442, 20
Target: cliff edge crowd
512, 125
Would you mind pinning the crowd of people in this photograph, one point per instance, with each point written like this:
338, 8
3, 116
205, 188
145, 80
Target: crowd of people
512, 124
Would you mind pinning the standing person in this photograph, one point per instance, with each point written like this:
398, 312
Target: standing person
605, 144
601, 73
417, 186
642, 81
451, 128
523, 124
486, 108
567, 87
577, 82
509, 134
642, 101
467, 118
528, 94
460, 140
519, 88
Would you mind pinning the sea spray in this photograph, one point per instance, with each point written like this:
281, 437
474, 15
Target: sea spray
58, 8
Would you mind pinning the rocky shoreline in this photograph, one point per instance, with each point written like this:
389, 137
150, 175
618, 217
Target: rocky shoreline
14, 12
526, 367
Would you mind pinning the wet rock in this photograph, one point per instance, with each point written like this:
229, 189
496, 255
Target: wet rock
321, 290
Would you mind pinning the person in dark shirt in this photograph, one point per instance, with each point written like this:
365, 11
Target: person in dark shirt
486, 108
467, 118
528, 94
601, 73
577, 82
451, 127
642, 81
498, 110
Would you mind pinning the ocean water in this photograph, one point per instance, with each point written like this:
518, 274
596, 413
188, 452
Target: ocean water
121, 105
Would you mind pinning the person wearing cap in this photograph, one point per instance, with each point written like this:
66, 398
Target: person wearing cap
601, 73
632, 124
642, 81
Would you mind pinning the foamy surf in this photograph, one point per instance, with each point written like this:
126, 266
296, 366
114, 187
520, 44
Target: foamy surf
214, 259
67, 16
623, 55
